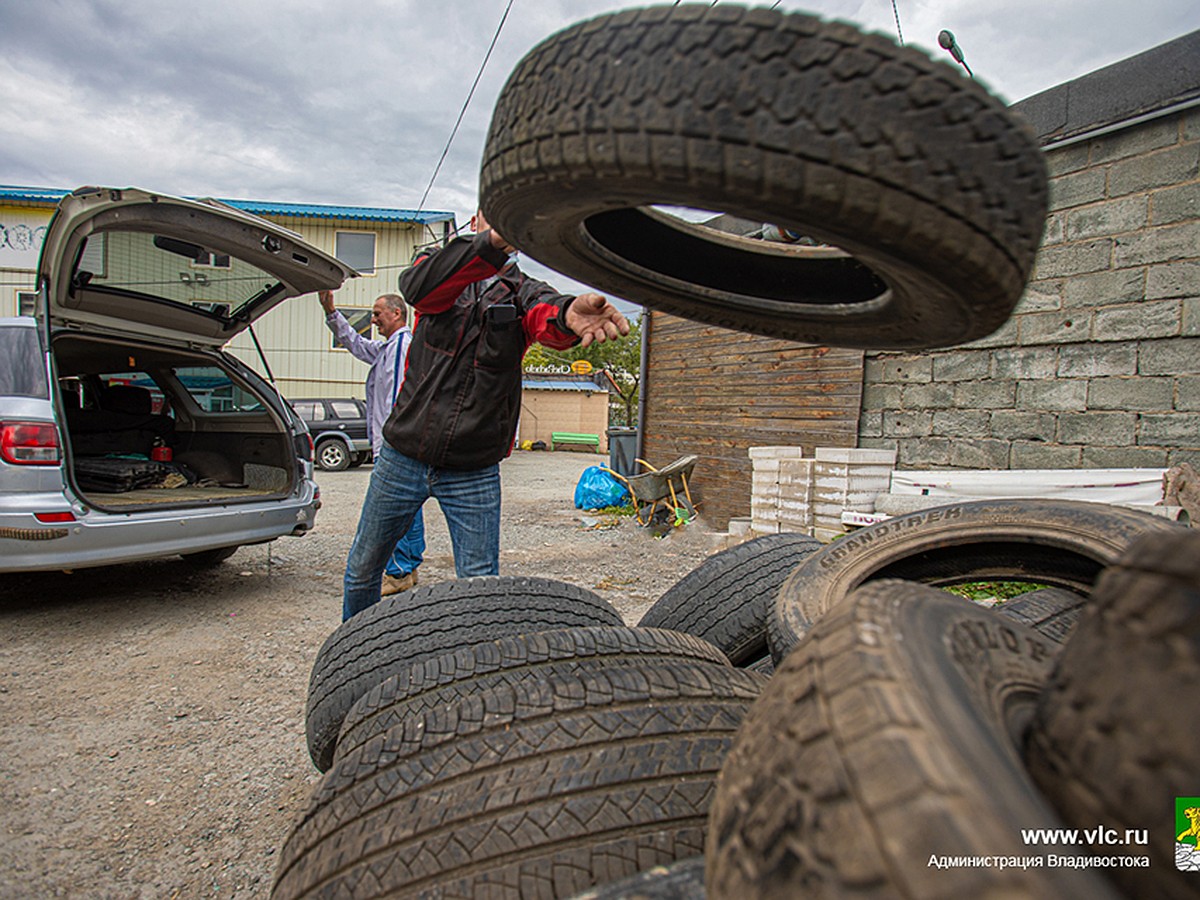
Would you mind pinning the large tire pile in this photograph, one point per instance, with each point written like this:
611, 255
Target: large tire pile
509, 737
791, 720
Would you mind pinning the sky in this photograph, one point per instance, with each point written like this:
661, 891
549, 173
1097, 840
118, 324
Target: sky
353, 101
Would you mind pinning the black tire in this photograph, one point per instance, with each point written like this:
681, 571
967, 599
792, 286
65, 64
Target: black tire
727, 598
535, 790
206, 558
358, 459
385, 639
935, 189
683, 880
332, 456
1060, 543
1114, 739
886, 739
452, 677
1051, 612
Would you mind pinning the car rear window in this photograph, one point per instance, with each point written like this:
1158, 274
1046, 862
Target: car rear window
23, 370
309, 410
171, 270
344, 409
215, 391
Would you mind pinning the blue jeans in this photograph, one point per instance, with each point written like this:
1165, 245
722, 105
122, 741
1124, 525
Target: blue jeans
469, 499
409, 551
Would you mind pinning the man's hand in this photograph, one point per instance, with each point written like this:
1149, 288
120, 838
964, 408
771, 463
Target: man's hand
479, 225
594, 319
326, 298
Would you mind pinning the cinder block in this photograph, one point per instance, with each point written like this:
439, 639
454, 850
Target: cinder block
779, 452
855, 455
827, 534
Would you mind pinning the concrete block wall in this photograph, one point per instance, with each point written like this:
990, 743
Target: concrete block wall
1099, 367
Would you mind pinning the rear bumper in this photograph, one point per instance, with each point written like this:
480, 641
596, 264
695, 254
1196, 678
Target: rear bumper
101, 539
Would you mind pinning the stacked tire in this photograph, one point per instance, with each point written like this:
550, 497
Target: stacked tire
508, 737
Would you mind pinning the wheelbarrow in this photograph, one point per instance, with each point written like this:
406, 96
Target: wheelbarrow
668, 485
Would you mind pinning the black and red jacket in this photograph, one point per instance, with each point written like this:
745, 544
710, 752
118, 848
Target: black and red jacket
461, 396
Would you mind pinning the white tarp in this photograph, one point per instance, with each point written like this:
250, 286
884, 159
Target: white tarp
1118, 486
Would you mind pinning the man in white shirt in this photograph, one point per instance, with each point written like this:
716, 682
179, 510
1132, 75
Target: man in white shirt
387, 358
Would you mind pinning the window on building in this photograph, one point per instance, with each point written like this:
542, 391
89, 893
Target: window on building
357, 250
209, 260
26, 303
359, 319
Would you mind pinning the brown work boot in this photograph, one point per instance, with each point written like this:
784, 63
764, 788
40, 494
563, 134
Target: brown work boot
393, 585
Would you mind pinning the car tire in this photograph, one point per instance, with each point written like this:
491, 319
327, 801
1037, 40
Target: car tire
205, 558
537, 789
1114, 738
332, 456
887, 740
385, 639
934, 191
1059, 543
1052, 612
452, 677
727, 598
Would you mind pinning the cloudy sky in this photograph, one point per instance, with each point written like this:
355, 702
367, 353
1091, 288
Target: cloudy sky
353, 101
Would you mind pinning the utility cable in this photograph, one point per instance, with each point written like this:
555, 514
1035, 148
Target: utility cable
896, 13
463, 111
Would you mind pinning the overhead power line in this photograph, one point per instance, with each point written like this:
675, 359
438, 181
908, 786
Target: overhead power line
466, 103
896, 13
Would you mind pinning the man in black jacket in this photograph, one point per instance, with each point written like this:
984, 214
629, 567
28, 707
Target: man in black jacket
456, 415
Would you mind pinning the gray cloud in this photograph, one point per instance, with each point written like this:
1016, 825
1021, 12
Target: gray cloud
309, 100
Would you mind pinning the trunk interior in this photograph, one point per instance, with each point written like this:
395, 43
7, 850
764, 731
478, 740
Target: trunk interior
154, 426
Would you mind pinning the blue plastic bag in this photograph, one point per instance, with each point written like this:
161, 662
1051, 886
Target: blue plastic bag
597, 489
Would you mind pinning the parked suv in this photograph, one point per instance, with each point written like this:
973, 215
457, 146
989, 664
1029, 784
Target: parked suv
339, 431
126, 433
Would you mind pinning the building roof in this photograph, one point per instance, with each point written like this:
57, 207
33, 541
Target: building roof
30, 194
1161, 80
20, 194
532, 382
320, 211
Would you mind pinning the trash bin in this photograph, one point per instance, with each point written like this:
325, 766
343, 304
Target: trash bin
622, 450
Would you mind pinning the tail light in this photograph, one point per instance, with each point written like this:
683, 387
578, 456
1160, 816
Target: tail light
304, 446
29, 443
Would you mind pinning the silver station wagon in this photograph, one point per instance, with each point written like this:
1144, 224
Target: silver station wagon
126, 432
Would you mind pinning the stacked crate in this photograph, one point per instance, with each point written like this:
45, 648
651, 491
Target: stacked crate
846, 479
781, 490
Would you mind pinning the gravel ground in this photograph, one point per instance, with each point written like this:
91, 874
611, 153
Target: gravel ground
152, 716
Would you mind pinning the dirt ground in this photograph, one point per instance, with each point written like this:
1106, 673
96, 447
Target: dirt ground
152, 716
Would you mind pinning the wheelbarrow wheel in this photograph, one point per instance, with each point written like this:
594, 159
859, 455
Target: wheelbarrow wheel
930, 194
